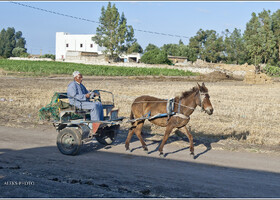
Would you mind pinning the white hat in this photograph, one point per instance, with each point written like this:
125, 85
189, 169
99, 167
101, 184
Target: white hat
76, 73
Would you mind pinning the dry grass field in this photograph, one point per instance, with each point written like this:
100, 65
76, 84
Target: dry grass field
244, 115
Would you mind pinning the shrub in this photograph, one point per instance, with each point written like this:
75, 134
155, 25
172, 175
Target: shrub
272, 70
48, 56
155, 56
18, 51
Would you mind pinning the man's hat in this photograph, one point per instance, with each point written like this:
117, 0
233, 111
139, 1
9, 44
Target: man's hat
76, 73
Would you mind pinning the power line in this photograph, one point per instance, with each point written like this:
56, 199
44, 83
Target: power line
92, 21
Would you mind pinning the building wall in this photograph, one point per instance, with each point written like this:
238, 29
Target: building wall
67, 42
85, 57
133, 57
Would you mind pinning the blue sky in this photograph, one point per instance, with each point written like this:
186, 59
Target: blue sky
182, 18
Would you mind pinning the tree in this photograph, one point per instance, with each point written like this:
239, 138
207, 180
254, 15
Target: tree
18, 52
234, 47
208, 45
113, 31
180, 50
150, 47
171, 49
267, 37
2, 41
155, 56
276, 33
252, 40
259, 38
135, 48
9, 40
187, 51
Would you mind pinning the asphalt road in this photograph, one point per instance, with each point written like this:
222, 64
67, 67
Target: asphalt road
32, 167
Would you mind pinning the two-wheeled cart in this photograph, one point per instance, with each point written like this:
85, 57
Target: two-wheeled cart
73, 125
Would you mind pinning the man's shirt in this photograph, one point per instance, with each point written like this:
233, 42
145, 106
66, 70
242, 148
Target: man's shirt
76, 92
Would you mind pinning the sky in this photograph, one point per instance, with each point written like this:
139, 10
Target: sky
182, 18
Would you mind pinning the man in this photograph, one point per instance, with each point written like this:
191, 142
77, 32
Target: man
79, 96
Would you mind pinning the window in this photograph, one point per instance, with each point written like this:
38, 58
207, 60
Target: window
67, 45
91, 45
81, 45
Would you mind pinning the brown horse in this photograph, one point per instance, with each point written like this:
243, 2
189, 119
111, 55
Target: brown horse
184, 106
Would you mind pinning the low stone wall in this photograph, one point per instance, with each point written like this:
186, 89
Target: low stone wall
31, 59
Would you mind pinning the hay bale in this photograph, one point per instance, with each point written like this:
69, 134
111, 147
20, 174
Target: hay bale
253, 78
216, 76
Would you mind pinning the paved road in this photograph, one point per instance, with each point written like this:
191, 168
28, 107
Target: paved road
31, 166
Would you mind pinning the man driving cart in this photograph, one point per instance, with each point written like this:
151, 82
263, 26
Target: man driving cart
79, 96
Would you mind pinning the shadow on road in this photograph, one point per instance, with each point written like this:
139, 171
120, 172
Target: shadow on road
200, 138
101, 174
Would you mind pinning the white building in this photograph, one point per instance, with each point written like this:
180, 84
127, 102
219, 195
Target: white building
79, 43
76, 47
133, 57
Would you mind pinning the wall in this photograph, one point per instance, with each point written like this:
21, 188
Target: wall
74, 44
31, 59
85, 58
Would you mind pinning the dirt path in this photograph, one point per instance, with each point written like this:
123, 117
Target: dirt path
31, 166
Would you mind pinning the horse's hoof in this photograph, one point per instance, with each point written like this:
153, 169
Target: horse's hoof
161, 154
192, 154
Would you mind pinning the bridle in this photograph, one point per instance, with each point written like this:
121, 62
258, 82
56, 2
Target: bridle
202, 96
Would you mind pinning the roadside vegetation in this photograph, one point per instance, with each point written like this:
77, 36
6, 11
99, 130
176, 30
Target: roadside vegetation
46, 68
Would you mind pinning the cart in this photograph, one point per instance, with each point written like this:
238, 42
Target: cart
73, 123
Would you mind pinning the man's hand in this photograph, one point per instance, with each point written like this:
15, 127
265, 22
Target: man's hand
96, 94
87, 95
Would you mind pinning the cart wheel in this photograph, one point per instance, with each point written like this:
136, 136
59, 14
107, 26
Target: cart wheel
106, 135
69, 141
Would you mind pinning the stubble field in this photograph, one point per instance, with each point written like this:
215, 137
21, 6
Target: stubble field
245, 116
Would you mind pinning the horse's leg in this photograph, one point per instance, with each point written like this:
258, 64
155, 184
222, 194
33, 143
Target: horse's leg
166, 135
190, 139
129, 136
138, 130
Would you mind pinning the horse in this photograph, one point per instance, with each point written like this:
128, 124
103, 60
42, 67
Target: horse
184, 106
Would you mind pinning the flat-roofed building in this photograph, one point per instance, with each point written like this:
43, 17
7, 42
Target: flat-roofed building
75, 42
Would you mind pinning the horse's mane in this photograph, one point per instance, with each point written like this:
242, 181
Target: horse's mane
188, 93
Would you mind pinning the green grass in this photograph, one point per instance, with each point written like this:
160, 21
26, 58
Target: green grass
272, 70
45, 68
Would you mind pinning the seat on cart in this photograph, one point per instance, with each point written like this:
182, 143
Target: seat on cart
66, 107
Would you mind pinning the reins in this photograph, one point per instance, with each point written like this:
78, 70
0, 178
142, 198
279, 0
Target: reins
165, 101
170, 112
179, 104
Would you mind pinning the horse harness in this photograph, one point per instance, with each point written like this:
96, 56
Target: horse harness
171, 102
170, 109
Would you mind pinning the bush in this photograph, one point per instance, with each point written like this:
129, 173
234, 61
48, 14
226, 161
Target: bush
155, 56
48, 56
272, 70
24, 55
18, 51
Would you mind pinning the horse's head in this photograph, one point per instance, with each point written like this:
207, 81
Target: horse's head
204, 99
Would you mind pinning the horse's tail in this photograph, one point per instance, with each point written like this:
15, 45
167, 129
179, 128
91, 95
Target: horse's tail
131, 115
131, 118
